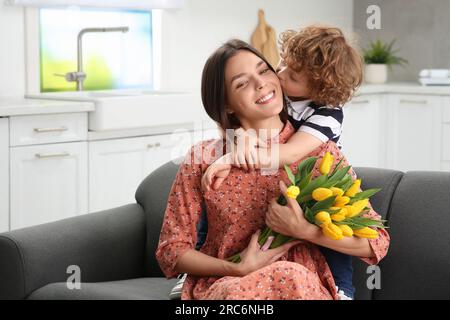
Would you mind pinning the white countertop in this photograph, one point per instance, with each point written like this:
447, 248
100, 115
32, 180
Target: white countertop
403, 87
148, 131
14, 106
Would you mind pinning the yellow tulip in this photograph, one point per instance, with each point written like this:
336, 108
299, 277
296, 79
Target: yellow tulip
361, 204
351, 211
346, 230
321, 194
343, 211
366, 233
332, 231
292, 192
354, 189
338, 217
341, 201
337, 191
326, 163
323, 217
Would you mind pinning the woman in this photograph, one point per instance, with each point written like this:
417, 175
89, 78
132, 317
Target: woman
240, 89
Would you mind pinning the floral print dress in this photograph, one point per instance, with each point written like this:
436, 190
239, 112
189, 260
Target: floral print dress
235, 211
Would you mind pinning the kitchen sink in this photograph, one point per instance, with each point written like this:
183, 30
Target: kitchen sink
125, 109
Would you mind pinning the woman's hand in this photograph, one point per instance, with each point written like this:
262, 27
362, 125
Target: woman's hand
253, 258
289, 220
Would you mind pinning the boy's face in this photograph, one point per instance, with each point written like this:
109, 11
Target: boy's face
293, 83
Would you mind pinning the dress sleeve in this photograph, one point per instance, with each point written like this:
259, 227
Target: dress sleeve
324, 124
380, 245
184, 207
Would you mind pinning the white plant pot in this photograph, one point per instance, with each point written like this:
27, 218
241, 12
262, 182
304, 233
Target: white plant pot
375, 73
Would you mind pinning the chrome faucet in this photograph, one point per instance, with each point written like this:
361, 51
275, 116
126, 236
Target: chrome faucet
79, 76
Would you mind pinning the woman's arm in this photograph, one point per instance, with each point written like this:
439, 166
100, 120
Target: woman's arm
199, 264
252, 258
353, 246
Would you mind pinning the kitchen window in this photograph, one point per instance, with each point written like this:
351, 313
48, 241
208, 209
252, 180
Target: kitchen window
111, 60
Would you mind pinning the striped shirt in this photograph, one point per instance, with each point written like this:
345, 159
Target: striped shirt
320, 121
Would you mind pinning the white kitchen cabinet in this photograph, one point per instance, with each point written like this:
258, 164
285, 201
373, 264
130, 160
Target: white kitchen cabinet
48, 183
4, 175
117, 167
446, 166
48, 128
414, 132
362, 132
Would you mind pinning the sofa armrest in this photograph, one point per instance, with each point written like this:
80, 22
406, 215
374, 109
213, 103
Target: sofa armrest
106, 246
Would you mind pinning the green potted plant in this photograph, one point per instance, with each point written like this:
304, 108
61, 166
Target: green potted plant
378, 56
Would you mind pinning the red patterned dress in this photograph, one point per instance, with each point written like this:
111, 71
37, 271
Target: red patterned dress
235, 211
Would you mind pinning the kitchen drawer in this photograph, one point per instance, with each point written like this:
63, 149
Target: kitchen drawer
49, 128
446, 142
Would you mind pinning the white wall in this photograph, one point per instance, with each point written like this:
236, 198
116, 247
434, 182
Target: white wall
189, 35
12, 61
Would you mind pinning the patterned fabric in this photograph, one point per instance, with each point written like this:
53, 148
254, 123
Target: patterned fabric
235, 211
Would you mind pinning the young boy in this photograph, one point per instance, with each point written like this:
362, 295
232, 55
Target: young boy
319, 73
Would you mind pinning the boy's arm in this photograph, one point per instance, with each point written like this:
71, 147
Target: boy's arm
297, 147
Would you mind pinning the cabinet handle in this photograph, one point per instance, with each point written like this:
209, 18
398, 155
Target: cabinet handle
157, 144
52, 155
41, 130
360, 101
413, 101
151, 145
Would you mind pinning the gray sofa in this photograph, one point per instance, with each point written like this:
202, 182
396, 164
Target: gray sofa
115, 249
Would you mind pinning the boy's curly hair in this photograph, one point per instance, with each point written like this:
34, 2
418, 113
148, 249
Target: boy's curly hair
332, 66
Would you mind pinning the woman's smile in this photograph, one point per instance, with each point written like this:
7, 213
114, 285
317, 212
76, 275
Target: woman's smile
265, 99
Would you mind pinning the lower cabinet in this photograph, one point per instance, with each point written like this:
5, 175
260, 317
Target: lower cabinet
4, 175
117, 167
362, 134
414, 132
48, 183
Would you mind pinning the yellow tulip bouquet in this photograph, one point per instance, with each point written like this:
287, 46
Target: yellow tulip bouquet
332, 201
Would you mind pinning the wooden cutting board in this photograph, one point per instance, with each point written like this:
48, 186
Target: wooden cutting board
264, 39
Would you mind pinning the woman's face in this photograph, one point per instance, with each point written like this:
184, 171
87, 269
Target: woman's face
253, 89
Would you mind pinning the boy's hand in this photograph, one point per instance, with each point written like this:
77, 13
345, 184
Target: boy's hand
245, 153
216, 173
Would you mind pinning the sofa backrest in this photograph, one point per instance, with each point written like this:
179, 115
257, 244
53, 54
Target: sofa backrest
388, 181
418, 263
152, 195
